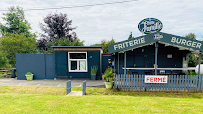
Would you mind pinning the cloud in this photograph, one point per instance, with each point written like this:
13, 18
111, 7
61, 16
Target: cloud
104, 22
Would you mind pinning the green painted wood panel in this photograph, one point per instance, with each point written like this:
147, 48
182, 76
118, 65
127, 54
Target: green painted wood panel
61, 63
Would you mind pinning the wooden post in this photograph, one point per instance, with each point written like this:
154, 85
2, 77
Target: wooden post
199, 71
199, 64
68, 86
118, 62
84, 88
156, 54
125, 64
171, 72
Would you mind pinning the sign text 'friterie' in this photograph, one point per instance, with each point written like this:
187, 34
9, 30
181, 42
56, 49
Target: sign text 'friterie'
129, 43
155, 79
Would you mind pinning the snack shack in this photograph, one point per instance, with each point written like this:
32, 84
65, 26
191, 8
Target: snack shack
154, 53
156, 61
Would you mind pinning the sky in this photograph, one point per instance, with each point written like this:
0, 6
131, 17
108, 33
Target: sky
104, 22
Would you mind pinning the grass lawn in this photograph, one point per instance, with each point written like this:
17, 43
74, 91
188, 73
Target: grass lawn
23, 99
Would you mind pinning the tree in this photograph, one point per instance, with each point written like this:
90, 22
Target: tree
3, 60
130, 36
63, 42
191, 36
193, 58
57, 26
15, 22
105, 44
16, 43
57, 32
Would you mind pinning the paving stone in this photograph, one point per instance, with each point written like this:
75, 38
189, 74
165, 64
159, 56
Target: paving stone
75, 93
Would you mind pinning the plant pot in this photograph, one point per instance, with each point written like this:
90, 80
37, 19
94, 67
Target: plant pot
109, 85
29, 77
93, 76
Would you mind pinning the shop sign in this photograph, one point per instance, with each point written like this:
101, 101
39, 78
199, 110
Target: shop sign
186, 42
150, 25
129, 44
155, 79
161, 37
158, 36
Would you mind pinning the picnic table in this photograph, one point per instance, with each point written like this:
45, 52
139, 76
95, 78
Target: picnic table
5, 73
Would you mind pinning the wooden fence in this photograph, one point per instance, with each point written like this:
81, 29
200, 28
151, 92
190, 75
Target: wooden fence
174, 83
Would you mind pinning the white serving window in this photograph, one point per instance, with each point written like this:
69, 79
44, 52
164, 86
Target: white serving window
77, 61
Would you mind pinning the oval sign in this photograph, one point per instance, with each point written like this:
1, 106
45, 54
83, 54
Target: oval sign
150, 25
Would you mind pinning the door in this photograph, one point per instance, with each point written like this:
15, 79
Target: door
61, 63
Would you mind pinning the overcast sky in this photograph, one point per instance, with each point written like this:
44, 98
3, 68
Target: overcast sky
179, 17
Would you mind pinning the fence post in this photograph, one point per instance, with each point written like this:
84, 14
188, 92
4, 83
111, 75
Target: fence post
185, 80
84, 88
119, 80
115, 81
68, 86
202, 83
199, 82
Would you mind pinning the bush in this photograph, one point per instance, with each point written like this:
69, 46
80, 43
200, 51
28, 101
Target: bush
29, 73
94, 69
4, 61
109, 74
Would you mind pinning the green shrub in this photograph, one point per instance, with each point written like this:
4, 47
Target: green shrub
109, 74
94, 69
3, 61
28, 73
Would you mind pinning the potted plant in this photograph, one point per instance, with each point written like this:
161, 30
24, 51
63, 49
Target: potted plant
94, 72
29, 76
109, 76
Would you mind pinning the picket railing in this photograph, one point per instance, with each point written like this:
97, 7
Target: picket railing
174, 83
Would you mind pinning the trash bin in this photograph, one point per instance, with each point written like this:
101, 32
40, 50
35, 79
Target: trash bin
13, 72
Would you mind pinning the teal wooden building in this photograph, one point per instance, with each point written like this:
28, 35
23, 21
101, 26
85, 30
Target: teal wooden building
76, 61
155, 53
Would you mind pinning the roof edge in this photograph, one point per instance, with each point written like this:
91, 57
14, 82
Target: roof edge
77, 47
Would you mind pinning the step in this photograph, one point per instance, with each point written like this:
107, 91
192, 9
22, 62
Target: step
75, 93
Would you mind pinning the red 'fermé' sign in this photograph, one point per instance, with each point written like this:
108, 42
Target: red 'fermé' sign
155, 79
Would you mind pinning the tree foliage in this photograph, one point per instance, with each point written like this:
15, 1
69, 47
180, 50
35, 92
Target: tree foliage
57, 26
61, 42
3, 60
130, 36
193, 58
105, 44
15, 22
191, 36
16, 43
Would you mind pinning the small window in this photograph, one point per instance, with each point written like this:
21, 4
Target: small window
73, 65
77, 55
169, 56
77, 61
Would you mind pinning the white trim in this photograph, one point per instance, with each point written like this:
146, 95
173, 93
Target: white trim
69, 63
